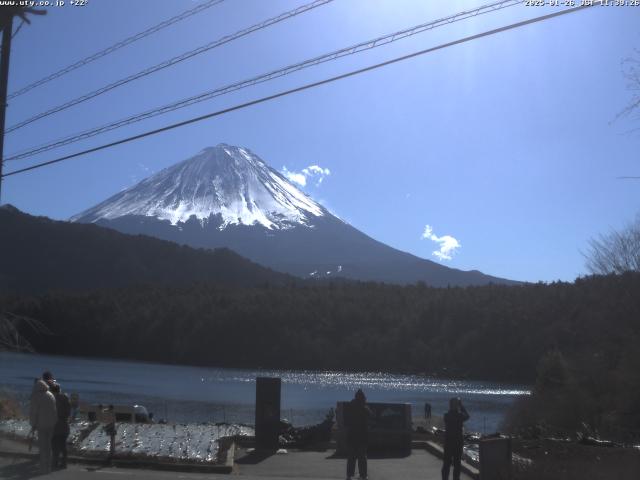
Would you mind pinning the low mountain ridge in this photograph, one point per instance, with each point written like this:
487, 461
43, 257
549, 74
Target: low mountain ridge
43, 254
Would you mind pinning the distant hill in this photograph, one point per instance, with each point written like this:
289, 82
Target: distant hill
39, 254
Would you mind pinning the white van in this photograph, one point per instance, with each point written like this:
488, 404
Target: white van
123, 413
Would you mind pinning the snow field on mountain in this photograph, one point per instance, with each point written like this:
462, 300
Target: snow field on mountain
223, 180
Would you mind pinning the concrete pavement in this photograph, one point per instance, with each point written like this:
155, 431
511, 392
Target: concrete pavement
16, 463
303, 465
323, 465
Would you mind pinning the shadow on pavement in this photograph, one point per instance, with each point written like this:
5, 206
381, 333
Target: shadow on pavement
255, 457
373, 455
21, 470
98, 468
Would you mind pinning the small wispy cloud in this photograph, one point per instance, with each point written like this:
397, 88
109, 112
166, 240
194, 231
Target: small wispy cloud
448, 244
294, 177
311, 172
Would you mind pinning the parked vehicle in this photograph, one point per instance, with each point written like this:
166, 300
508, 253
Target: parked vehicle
123, 413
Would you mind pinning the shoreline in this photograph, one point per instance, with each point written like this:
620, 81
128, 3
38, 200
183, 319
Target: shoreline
186, 394
522, 388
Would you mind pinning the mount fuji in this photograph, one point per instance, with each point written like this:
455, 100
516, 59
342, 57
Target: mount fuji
226, 196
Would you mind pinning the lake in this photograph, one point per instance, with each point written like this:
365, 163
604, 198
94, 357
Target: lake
207, 394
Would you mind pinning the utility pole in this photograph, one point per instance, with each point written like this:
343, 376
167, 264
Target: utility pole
7, 32
6, 23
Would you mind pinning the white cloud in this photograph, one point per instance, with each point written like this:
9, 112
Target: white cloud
294, 177
312, 171
448, 244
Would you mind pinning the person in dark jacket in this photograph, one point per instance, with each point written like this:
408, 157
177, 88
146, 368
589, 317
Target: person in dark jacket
61, 429
453, 439
356, 421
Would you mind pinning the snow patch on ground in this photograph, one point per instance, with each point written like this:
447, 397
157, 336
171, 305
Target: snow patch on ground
174, 442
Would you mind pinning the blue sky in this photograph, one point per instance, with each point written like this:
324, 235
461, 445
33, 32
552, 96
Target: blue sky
506, 146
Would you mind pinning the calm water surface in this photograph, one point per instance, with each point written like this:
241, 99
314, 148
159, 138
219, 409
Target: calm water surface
201, 394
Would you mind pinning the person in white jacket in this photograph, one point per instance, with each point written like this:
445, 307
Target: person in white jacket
43, 417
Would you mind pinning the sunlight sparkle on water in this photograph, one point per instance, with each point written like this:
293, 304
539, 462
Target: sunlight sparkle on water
383, 381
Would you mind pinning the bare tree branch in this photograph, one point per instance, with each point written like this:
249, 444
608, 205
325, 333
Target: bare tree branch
10, 327
631, 72
615, 252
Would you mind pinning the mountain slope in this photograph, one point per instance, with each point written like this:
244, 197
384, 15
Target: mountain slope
223, 181
226, 196
42, 254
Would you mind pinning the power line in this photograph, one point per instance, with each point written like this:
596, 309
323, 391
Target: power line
18, 29
117, 46
354, 49
171, 62
303, 87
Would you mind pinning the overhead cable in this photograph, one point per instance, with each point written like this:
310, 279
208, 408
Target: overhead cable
117, 46
170, 62
354, 49
301, 88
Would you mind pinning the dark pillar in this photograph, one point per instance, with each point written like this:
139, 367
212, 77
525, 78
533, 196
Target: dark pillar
267, 412
495, 458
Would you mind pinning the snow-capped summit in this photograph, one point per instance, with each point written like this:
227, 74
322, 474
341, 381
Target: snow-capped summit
223, 180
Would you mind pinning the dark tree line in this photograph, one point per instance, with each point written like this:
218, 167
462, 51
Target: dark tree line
490, 332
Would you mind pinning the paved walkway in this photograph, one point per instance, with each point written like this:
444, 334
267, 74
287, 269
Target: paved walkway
303, 465
323, 465
295, 464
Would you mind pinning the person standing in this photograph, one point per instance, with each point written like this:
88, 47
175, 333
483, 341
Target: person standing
427, 411
453, 438
109, 417
61, 429
356, 421
43, 417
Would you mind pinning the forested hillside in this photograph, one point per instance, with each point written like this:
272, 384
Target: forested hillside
493, 332
40, 255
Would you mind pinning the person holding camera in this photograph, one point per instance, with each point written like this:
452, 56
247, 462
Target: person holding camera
453, 438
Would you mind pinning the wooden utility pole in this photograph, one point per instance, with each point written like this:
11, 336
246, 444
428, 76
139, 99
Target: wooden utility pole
7, 32
6, 23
